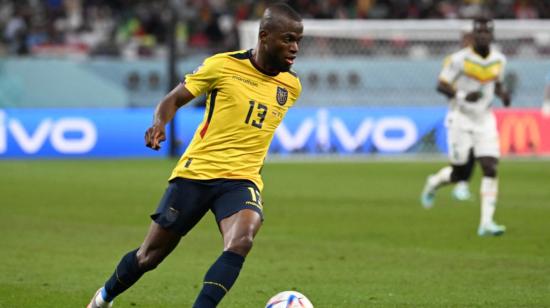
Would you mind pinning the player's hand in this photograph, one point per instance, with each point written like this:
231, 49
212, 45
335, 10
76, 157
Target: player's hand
473, 97
506, 99
154, 136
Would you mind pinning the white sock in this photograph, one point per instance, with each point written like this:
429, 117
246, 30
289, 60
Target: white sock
489, 192
462, 185
99, 301
442, 177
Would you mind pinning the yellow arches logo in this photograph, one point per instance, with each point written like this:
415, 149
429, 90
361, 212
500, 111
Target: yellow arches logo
519, 134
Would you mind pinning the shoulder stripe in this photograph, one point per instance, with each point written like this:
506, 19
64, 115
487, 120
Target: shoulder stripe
210, 112
241, 55
482, 80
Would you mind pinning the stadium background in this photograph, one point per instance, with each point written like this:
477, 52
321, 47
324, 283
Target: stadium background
78, 83
356, 55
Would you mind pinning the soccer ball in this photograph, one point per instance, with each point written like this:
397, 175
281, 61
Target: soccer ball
289, 299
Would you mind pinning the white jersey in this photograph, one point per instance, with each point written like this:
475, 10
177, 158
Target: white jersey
467, 71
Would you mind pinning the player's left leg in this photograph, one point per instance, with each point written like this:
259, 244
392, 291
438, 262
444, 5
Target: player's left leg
487, 151
238, 212
460, 143
489, 194
238, 233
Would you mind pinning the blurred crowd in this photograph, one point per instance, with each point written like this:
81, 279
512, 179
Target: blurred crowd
139, 28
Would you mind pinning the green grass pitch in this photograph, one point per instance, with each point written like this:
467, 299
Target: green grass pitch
344, 234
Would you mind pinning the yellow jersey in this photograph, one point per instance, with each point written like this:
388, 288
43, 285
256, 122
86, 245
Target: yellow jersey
244, 107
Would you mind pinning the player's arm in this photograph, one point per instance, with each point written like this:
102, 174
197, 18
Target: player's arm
503, 93
164, 113
202, 80
448, 90
505, 85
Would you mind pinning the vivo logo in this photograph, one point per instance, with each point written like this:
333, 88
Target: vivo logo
55, 131
388, 134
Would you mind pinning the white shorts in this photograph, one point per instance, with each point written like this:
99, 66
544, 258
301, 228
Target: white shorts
460, 141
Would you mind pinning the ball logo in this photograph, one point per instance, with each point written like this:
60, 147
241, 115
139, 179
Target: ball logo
69, 135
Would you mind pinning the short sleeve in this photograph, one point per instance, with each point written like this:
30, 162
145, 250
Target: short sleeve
205, 78
451, 69
298, 89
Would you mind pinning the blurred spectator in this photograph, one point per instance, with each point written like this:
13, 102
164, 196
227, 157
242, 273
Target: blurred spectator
16, 32
138, 28
525, 9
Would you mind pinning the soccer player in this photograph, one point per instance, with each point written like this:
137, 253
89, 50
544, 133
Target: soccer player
249, 93
470, 78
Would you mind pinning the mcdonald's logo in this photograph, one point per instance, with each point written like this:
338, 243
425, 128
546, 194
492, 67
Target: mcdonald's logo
519, 134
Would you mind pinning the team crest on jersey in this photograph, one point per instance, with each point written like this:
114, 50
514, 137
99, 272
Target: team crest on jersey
282, 95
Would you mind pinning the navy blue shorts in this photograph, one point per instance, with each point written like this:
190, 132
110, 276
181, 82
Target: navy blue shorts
186, 201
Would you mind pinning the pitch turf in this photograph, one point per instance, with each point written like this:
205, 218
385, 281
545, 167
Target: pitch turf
345, 234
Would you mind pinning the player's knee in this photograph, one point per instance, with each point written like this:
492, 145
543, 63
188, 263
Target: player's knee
490, 171
489, 167
148, 260
241, 245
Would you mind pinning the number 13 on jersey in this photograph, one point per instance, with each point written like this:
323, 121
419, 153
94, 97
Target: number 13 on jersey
259, 116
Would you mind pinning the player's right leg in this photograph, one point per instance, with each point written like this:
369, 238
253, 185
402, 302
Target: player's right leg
158, 244
433, 182
489, 193
181, 207
487, 150
459, 144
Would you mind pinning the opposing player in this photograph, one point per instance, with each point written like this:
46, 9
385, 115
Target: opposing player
470, 79
249, 93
